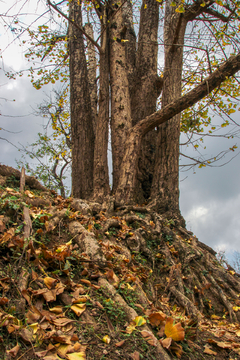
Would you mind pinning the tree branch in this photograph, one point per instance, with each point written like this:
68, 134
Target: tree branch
80, 28
126, 185
229, 68
216, 14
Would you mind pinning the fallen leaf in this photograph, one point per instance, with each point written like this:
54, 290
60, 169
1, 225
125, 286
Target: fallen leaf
26, 335
139, 321
49, 282
135, 355
106, 339
156, 318
13, 352
120, 343
77, 356
177, 349
78, 308
3, 300
208, 351
149, 337
166, 343
176, 332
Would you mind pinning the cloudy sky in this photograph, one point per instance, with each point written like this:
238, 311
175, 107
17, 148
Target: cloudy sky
209, 197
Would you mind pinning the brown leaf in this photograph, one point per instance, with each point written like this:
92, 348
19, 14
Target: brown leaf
149, 337
86, 282
13, 352
112, 277
156, 318
3, 300
50, 295
208, 351
26, 335
166, 343
135, 355
2, 226
120, 343
177, 349
33, 315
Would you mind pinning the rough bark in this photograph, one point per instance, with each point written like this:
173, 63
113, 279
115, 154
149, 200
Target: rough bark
145, 91
101, 177
165, 185
81, 112
92, 76
120, 98
125, 191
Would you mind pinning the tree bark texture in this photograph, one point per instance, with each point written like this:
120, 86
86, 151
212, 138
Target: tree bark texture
81, 112
165, 185
145, 91
120, 97
125, 191
92, 76
101, 177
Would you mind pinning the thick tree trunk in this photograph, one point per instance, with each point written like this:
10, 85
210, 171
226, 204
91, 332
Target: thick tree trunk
145, 91
81, 113
165, 187
120, 98
127, 179
101, 177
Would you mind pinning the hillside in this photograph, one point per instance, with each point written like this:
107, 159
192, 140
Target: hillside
81, 280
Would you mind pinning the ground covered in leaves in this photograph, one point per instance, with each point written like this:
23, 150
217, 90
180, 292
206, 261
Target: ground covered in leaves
80, 280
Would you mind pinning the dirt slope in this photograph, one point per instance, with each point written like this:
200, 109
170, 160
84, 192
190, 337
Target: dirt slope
81, 280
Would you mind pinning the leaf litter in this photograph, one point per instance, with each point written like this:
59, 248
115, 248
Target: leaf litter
53, 306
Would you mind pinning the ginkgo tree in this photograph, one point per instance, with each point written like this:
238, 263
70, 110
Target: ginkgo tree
134, 68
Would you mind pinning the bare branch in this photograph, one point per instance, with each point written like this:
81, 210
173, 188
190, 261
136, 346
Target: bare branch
80, 28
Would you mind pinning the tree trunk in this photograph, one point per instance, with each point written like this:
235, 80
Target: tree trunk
101, 177
120, 98
165, 187
81, 112
145, 92
127, 178
92, 76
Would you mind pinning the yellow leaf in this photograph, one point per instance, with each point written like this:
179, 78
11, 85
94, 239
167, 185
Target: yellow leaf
106, 339
78, 308
77, 356
176, 332
130, 328
139, 321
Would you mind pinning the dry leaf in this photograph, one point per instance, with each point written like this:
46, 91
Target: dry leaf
156, 318
149, 337
177, 349
49, 282
176, 332
78, 308
77, 356
208, 351
120, 343
166, 343
13, 352
106, 339
135, 355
